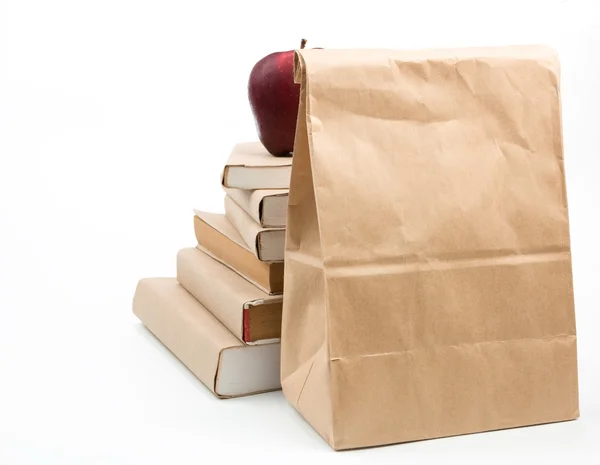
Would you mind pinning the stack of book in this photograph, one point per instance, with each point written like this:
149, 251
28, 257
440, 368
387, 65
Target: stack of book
221, 315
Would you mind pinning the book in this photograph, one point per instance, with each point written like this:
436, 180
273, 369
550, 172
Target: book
218, 238
268, 207
224, 364
250, 166
250, 314
268, 244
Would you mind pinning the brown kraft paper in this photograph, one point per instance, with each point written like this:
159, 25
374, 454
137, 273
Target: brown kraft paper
428, 286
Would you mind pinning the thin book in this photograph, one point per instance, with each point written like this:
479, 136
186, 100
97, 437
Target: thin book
250, 166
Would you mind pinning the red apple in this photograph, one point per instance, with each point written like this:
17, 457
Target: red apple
274, 101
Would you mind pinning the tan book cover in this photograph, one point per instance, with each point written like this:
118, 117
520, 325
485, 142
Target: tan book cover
250, 166
267, 243
268, 207
223, 363
249, 313
217, 237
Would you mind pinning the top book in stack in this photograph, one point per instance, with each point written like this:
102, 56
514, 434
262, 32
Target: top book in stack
251, 167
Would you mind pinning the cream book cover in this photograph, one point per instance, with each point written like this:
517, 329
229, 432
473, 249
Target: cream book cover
223, 363
250, 166
217, 237
268, 207
249, 313
266, 243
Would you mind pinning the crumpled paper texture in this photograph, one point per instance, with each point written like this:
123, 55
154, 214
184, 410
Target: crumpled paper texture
428, 285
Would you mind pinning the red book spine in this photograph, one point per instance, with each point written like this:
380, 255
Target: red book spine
246, 320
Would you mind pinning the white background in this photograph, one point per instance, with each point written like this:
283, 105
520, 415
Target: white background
116, 117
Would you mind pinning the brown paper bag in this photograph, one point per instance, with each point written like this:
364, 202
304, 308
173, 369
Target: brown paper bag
428, 287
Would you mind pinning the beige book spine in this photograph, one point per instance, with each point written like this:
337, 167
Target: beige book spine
183, 325
220, 289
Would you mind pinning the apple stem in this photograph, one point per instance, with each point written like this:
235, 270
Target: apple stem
302, 43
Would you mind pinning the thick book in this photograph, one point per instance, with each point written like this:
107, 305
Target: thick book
250, 166
268, 244
250, 314
224, 364
217, 237
268, 207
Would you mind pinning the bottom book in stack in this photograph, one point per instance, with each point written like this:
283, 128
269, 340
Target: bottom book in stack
227, 366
